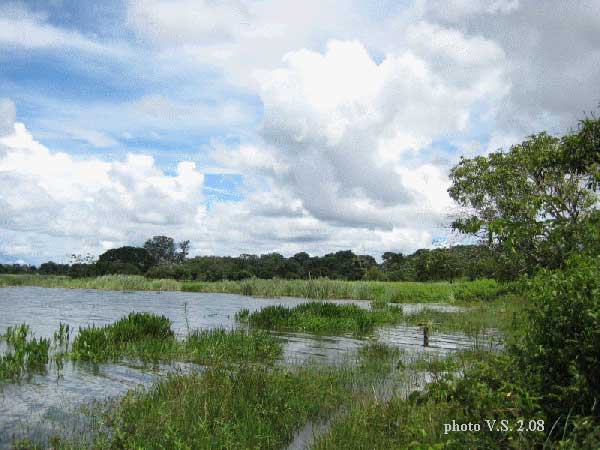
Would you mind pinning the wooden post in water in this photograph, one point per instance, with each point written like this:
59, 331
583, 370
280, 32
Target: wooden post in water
425, 333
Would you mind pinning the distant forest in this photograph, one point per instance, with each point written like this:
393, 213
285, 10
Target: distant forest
162, 257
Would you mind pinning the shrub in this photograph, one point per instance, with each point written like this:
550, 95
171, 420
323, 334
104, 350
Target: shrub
562, 341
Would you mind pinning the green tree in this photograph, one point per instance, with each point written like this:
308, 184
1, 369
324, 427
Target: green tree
162, 249
184, 251
131, 260
532, 204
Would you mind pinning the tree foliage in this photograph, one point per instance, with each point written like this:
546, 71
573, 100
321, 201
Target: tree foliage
128, 260
534, 203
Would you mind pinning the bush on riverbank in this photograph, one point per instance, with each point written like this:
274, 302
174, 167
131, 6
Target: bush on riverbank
548, 378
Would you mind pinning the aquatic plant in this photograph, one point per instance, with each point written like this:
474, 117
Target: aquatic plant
321, 317
220, 345
24, 354
142, 334
503, 314
249, 407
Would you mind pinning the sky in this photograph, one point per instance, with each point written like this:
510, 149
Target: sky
253, 126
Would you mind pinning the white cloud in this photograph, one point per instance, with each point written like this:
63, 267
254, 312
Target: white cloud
460, 9
90, 201
53, 204
339, 128
238, 37
361, 118
178, 22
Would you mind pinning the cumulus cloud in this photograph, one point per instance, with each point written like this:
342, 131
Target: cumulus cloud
338, 126
553, 54
92, 201
361, 118
53, 204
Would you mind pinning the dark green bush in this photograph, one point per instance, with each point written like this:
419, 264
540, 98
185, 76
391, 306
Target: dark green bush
562, 342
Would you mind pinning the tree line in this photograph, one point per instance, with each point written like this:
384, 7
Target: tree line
162, 257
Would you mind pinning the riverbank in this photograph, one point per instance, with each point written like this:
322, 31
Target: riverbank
320, 289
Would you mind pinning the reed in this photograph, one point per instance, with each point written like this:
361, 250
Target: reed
106, 282
318, 289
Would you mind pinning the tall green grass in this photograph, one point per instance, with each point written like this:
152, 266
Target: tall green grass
251, 407
318, 289
321, 289
318, 317
106, 282
381, 291
147, 337
141, 334
220, 345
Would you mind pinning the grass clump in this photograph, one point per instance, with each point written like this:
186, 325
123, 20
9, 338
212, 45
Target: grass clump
320, 317
143, 334
220, 345
251, 407
24, 355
